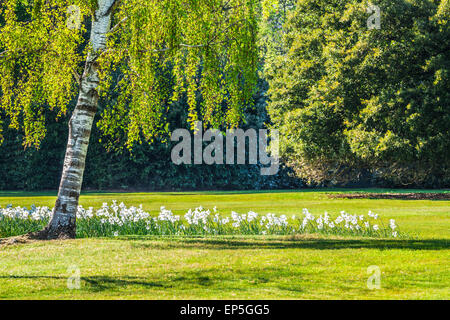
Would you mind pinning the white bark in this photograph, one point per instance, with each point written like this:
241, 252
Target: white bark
63, 222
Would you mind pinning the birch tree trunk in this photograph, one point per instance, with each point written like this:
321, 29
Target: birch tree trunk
63, 222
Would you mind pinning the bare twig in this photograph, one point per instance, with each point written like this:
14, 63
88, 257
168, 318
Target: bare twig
76, 76
114, 4
113, 29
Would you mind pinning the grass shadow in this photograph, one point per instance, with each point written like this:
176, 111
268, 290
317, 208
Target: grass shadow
99, 283
319, 244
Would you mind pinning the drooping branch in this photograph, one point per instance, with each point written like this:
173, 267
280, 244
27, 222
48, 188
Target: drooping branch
76, 76
162, 49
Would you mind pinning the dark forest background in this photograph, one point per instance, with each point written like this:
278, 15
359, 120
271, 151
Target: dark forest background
146, 167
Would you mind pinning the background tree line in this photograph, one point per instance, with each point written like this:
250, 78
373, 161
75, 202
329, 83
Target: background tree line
355, 107
352, 102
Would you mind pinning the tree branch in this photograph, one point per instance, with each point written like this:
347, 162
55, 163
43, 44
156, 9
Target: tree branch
114, 4
113, 29
74, 73
76, 76
162, 49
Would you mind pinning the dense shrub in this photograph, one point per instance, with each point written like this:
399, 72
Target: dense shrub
350, 101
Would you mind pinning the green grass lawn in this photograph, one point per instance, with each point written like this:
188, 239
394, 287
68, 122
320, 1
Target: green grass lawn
315, 267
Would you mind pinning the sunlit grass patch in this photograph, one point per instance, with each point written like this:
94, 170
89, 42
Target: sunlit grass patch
226, 267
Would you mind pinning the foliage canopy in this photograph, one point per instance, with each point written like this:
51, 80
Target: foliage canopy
156, 51
347, 98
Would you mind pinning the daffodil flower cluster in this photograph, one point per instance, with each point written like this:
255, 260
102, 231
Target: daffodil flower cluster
118, 219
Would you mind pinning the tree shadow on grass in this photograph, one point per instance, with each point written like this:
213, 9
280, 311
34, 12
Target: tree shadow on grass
100, 283
319, 244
